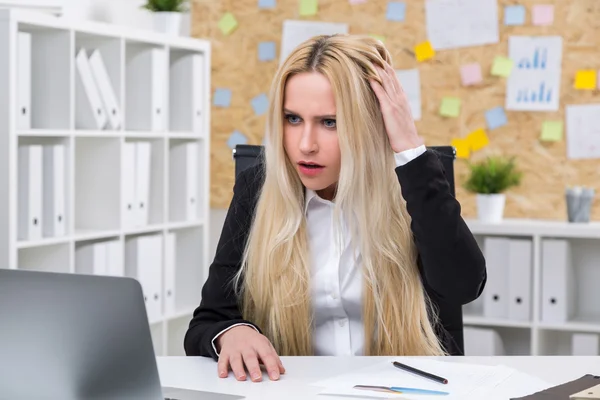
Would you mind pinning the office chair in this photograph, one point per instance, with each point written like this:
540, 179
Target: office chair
451, 317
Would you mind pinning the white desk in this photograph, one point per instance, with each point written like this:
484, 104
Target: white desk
199, 373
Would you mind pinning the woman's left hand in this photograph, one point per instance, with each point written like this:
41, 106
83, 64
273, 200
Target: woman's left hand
398, 120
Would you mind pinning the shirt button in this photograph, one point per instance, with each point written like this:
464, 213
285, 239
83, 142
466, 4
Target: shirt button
334, 295
342, 323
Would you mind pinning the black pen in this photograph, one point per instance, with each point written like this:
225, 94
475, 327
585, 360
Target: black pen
420, 373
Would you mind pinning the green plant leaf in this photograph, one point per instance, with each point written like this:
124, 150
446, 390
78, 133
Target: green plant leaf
492, 175
166, 5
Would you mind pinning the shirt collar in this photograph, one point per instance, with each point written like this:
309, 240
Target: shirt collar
309, 195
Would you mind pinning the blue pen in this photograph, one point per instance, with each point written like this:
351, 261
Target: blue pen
396, 389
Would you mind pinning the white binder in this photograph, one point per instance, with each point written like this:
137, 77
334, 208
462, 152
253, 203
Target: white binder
54, 191
585, 344
145, 100
170, 262
558, 283
91, 259
520, 269
482, 342
184, 182
129, 206
30, 192
106, 90
495, 294
24, 81
143, 258
90, 112
187, 86
114, 258
142, 182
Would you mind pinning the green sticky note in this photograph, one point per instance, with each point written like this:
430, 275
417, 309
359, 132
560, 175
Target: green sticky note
450, 107
228, 23
378, 37
552, 131
502, 66
308, 7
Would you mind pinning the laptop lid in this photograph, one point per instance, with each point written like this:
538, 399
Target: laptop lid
72, 336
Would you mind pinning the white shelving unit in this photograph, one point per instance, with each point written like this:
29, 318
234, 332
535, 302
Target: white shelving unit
94, 187
536, 336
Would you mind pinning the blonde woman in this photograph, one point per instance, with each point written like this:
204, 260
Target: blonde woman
346, 240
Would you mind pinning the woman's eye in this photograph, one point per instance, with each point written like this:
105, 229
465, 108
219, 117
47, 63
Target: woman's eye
329, 123
292, 119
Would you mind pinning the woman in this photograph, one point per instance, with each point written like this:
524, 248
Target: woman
346, 240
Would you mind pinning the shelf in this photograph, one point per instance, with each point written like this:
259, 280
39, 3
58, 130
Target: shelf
526, 227
86, 234
44, 133
185, 225
143, 134
185, 135
54, 258
144, 230
483, 321
43, 242
572, 326
97, 134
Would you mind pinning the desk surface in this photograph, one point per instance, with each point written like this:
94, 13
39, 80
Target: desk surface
199, 373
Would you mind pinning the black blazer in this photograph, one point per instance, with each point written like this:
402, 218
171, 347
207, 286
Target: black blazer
450, 261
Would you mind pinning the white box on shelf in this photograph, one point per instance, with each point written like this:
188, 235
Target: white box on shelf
30, 174
520, 268
495, 294
184, 181
24, 81
91, 259
145, 100
129, 205
106, 90
186, 93
558, 281
114, 258
54, 192
143, 154
170, 271
585, 344
483, 342
143, 259
89, 110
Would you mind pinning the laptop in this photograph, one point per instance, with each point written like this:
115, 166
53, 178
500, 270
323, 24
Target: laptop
73, 336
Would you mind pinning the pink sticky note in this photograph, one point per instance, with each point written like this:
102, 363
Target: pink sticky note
470, 74
543, 14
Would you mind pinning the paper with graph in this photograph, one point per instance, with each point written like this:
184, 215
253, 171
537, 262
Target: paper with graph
534, 84
583, 131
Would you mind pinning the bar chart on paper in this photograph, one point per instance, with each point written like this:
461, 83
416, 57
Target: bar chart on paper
534, 84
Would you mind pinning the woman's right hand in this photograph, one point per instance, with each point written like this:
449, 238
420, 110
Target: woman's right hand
243, 345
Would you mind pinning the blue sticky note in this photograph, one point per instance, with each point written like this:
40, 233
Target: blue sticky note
495, 118
260, 104
222, 98
266, 3
236, 138
396, 11
514, 15
266, 51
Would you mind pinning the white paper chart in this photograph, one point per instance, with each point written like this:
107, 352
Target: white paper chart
461, 23
296, 32
534, 84
411, 83
583, 131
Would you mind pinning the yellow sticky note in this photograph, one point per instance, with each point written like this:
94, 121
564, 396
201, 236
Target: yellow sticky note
502, 66
462, 148
308, 7
552, 131
585, 80
228, 23
424, 51
478, 139
378, 37
450, 107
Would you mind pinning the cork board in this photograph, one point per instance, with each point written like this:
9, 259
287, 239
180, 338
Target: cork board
547, 171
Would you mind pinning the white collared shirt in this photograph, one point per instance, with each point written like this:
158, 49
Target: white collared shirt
336, 280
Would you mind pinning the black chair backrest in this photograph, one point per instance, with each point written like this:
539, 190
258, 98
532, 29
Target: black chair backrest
247, 155
450, 315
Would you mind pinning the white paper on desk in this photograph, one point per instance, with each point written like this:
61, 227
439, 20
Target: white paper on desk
534, 83
465, 381
410, 80
461, 23
583, 131
296, 32
518, 384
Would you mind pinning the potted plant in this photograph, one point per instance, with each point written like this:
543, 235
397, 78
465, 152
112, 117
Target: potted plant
167, 14
489, 179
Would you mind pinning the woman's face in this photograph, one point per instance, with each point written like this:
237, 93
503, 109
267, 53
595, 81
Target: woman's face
309, 132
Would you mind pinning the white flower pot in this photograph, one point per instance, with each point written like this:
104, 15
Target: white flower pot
490, 207
168, 23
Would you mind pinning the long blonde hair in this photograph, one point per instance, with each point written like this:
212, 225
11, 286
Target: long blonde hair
274, 281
